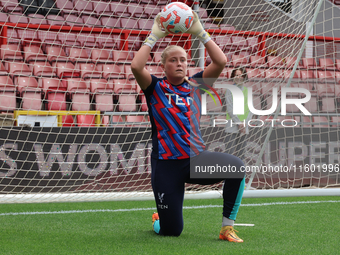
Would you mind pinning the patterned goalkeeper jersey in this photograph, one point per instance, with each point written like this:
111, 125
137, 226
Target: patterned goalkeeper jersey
175, 113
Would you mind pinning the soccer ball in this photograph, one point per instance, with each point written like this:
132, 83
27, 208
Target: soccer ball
176, 18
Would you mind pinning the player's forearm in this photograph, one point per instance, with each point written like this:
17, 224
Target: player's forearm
216, 54
139, 61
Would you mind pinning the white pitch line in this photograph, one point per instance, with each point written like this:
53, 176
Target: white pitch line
154, 209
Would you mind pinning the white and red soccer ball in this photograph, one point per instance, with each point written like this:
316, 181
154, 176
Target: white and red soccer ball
176, 18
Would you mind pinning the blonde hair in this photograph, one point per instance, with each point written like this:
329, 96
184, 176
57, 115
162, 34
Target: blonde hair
165, 54
166, 51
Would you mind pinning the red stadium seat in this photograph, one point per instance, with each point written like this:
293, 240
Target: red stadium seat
89, 71
112, 71
7, 94
65, 6
136, 118
239, 60
79, 55
101, 56
101, 9
30, 93
255, 74
109, 42
66, 70
145, 24
56, 54
326, 76
312, 105
161, 44
55, 94
3, 70
11, 52
152, 10
17, 18
335, 120
159, 72
307, 76
123, 86
290, 62
128, 23
127, 103
79, 94
103, 94
43, 69
105, 120
275, 62
35, 18
34, 53
240, 42
111, 22
326, 94
55, 20
337, 77
12, 6
29, 37
119, 9
288, 73
91, 21
320, 121
83, 7
309, 63
67, 121
73, 20
49, 39
86, 120
228, 27
203, 14
273, 74
225, 43
258, 61
88, 42
116, 119
122, 57
327, 64
337, 64
69, 40
252, 44
16, 69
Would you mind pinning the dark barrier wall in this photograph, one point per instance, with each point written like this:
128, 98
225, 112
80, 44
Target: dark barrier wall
117, 159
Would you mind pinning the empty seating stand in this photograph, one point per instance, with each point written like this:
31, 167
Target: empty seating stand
51, 70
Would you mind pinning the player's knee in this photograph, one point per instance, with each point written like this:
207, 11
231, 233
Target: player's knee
239, 165
172, 230
175, 232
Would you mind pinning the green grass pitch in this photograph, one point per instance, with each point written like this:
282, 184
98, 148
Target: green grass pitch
292, 228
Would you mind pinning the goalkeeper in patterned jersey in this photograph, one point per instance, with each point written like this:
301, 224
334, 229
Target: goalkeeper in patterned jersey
174, 109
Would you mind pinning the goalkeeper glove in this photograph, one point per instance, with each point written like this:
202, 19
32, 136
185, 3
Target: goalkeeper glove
156, 33
198, 30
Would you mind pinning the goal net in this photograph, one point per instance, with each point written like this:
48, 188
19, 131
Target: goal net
74, 123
